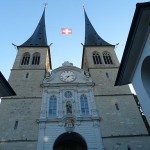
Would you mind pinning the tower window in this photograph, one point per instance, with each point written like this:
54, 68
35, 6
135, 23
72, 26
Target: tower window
36, 58
25, 59
27, 75
52, 105
116, 105
107, 75
96, 58
84, 105
16, 125
107, 58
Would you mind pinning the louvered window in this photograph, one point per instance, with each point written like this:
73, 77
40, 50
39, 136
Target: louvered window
107, 58
96, 58
25, 59
36, 58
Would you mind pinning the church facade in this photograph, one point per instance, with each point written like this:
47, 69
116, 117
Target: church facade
69, 108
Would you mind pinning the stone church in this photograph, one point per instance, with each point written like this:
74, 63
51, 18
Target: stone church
69, 108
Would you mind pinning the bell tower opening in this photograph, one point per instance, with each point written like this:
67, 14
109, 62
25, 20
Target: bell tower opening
70, 141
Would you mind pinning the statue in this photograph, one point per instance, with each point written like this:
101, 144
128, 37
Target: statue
69, 107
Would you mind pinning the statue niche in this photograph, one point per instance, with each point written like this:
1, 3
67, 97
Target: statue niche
69, 107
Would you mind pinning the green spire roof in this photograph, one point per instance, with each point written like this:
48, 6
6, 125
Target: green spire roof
91, 36
39, 37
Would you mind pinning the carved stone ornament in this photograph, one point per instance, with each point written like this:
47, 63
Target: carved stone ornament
67, 63
69, 123
87, 74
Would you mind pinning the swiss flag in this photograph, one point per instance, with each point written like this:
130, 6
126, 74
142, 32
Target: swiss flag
66, 30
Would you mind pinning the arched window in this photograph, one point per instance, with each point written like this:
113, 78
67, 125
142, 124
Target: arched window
25, 59
107, 58
84, 105
52, 105
96, 58
36, 58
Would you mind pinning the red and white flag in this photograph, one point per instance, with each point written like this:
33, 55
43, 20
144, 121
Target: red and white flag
66, 30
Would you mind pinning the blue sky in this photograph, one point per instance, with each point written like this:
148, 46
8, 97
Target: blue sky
19, 18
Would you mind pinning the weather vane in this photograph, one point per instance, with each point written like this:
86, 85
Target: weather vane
45, 5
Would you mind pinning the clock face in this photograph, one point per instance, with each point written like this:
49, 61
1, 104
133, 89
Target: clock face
67, 76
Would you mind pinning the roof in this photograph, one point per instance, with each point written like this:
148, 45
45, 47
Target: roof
91, 36
5, 88
39, 37
135, 42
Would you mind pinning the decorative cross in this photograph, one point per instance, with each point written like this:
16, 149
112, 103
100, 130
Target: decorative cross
45, 5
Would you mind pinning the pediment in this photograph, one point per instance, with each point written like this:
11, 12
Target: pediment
67, 74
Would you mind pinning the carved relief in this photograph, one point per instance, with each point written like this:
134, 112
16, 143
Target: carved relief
69, 123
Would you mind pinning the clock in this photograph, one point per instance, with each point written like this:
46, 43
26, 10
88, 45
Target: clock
67, 76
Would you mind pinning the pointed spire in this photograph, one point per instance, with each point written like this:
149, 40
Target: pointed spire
39, 37
91, 36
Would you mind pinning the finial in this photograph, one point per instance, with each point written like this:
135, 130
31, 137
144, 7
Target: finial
83, 6
45, 5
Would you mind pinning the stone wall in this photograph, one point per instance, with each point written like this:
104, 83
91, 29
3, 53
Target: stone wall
18, 123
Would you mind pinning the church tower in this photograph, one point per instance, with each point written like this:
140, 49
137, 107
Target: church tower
31, 63
121, 122
19, 114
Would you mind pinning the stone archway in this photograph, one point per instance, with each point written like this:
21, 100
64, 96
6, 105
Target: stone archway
70, 141
145, 74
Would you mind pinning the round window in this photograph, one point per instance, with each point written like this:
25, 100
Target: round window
68, 94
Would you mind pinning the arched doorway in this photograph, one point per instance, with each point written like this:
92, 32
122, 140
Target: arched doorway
145, 74
70, 141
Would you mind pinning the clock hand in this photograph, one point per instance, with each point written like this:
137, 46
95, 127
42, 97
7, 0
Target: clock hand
67, 76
